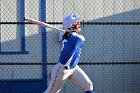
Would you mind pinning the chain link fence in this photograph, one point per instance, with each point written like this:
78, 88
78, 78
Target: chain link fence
110, 57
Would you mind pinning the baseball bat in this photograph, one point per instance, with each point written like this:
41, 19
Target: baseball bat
42, 23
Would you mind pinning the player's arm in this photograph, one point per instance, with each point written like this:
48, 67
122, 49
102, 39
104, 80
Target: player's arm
42, 23
79, 42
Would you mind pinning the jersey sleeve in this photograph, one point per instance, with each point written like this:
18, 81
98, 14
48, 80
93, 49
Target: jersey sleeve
80, 41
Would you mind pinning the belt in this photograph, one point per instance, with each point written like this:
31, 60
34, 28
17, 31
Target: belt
69, 67
66, 67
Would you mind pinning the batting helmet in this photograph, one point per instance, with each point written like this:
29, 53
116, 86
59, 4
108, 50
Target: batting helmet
68, 21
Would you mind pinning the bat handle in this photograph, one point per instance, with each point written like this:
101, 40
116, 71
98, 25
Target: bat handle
26, 19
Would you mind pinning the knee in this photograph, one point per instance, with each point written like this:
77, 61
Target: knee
88, 86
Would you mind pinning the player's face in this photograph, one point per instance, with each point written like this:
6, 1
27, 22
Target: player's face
77, 26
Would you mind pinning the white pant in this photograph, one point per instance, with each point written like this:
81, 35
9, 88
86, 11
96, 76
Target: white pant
60, 75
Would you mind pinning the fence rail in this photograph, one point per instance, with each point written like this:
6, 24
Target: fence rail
83, 23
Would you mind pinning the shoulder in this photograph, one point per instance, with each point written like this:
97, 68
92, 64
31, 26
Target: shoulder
79, 36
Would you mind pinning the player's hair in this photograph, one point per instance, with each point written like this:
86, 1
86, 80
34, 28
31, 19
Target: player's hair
67, 34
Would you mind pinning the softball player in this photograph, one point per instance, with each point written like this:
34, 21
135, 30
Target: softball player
67, 67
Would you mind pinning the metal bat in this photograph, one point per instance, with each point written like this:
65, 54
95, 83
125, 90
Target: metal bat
42, 23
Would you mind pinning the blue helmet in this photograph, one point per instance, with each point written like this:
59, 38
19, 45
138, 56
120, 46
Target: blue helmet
68, 21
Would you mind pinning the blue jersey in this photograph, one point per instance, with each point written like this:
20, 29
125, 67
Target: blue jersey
71, 49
